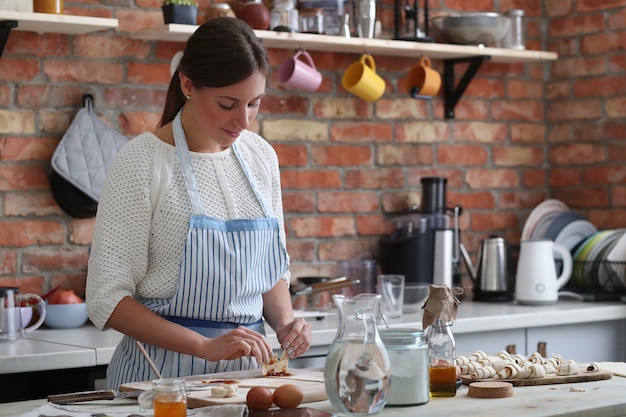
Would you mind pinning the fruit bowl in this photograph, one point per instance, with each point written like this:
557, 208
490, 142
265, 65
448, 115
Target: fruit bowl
65, 316
486, 29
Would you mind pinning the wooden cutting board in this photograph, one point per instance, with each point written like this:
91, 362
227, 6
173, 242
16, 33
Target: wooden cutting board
311, 381
550, 379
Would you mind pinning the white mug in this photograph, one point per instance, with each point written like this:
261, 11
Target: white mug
536, 282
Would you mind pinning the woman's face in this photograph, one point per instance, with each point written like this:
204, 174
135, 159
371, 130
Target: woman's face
213, 118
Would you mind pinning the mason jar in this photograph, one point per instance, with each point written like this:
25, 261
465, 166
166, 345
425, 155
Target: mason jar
408, 353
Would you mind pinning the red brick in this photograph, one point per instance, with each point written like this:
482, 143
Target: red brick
421, 132
582, 197
485, 88
576, 25
313, 179
8, 261
18, 70
618, 196
26, 204
133, 123
462, 155
602, 43
336, 249
83, 71
558, 89
518, 110
400, 201
373, 225
528, 133
574, 110
27, 148
600, 86
605, 219
474, 200
517, 156
102, 46
492, 178
41, 260
298, 202
81, 231
22, 177
301, 251
341, 155
150, 74
454, 176
388, 155
525, 89
562, 177
26, 284
517, 200
578, 66
480, 132
133, 98
272, 104
341, 108
606, 174
491, 221
576, 154
291, 155
322, 226
367, 132
35, 44
353, 202
382, 178
401, 108
593, 5
535, 178
29, 232
558, 7
71, 281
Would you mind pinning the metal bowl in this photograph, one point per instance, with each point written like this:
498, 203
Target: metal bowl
487, 29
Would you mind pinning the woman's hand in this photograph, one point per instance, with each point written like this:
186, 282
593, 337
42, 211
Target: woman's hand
237, 343
295, 337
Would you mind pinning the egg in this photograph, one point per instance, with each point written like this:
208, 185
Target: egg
259, 398
288, 396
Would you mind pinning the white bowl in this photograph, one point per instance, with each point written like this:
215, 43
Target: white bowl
65, 316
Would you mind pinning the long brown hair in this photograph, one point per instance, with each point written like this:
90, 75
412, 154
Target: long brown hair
221, 52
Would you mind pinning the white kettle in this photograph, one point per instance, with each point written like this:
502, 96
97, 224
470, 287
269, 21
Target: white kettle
536, 282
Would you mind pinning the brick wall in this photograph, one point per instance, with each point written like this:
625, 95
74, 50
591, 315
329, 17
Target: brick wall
522, 133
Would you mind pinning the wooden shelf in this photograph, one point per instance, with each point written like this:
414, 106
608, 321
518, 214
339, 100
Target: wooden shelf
57, 23
283, 40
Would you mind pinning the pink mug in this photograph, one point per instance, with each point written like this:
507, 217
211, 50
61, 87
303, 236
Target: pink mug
295, 72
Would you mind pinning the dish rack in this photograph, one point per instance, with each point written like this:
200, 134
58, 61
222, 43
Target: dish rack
597, 280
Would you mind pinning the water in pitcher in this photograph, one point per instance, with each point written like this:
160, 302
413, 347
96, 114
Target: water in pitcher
359, 388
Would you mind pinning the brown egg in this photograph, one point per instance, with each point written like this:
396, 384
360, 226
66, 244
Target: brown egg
259, 398
288, 396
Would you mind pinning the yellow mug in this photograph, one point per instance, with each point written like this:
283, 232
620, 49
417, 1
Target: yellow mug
361, 79
48, 6
423, 80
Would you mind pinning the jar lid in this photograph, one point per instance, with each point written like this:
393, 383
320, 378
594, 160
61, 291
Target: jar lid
402, 337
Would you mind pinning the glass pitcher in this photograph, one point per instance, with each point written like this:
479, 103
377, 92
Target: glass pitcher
357, 372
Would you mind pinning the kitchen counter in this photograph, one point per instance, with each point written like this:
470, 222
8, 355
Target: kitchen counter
49, 349
599, 399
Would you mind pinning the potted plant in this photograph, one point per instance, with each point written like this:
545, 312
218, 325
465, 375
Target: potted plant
180, 11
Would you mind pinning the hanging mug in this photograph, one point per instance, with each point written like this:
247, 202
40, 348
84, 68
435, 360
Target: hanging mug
536, 281
299, 72
423, 80
361, 79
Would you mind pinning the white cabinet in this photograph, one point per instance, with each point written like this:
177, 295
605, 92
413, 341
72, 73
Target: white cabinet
584, 342
490, 342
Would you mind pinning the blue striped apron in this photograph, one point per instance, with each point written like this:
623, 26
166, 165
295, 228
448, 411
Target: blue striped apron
226, 266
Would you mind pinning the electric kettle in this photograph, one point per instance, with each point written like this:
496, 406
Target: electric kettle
490, 275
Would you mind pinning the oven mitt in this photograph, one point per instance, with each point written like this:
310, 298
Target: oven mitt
81, 160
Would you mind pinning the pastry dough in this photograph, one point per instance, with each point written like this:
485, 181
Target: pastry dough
484, 372
510, 371
224, 391
568, 368
592, 367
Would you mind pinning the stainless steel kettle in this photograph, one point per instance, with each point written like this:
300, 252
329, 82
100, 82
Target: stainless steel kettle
490, 276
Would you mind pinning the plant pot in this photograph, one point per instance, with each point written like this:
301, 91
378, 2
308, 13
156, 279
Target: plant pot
176, 13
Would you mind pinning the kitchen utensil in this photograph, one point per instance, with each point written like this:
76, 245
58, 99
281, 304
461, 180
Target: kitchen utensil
490, 275
299, 72
423, 80
361, 79
366, 18
391, 287
333, 284
357, 371
168, 398
536, 281
77, 397
148, 359
12, 326
472, 28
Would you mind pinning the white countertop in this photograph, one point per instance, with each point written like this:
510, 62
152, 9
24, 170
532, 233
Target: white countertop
47, 349
599, 399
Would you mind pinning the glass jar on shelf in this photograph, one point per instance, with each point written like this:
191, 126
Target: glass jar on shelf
312, 20
284, 16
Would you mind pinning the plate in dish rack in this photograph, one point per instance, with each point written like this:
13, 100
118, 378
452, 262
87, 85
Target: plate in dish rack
548, 207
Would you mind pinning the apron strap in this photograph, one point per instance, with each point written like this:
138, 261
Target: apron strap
185, 162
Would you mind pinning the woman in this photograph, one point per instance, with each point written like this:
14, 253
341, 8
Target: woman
189, 252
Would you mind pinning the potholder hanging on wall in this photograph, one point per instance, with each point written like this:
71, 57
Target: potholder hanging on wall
81, 160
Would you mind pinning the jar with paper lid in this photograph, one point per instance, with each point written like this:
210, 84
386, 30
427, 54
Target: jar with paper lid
284, 16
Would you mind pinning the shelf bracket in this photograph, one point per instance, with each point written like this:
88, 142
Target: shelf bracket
5, 31
452, 93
